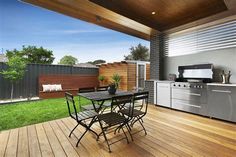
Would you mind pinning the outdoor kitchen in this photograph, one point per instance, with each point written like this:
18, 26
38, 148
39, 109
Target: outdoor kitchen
196, 92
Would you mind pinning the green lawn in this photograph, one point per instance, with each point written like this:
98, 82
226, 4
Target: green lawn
25, 113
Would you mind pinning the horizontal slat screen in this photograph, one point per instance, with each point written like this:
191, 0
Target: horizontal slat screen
212, 38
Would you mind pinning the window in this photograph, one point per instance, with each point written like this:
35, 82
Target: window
212, 38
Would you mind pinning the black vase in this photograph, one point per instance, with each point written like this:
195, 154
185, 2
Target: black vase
112, 89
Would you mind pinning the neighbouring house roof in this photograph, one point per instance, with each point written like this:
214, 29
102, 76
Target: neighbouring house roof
85, 65
126, 62
137, 61
3, 58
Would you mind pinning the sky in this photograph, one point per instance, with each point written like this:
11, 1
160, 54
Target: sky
25, 24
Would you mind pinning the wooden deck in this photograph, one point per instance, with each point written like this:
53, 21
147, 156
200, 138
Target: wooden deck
170, 133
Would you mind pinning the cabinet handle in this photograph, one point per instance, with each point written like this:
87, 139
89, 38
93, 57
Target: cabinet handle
195, 94
189, 104
163, 86
221, 91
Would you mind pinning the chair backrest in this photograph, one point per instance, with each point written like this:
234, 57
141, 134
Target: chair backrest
118, 102
102, 88
143, 97
71, 104
86, 90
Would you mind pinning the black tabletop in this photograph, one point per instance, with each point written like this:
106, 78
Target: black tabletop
104, 95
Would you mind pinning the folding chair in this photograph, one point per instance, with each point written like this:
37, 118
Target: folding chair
138, 110
89, 106
113, 120
80, 117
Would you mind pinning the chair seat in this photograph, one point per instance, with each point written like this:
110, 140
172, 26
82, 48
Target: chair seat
89, 107
135, 112
112, 118
85, 115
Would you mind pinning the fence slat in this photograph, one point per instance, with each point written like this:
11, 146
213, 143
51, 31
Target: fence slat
28, 86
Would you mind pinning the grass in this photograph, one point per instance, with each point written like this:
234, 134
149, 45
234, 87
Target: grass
26, 113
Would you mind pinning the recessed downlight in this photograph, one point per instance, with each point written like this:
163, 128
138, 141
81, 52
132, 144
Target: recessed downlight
153, 13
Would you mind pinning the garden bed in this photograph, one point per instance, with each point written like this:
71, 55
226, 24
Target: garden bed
9, 101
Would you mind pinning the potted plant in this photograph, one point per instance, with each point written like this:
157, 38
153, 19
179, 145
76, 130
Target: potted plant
112, 88
101, 79
116, 80
115, 84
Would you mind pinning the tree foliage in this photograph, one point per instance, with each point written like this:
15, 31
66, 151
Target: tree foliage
138, 52
68, 60
98, 61
33, 54
15, 70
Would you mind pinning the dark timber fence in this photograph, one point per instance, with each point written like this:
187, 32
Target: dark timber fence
28, 86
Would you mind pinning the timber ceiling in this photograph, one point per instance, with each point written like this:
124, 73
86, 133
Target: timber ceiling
136, 17
168, 13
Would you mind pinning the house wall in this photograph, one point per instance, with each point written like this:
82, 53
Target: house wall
131, 76
155, 51
108, 70
224, 59
161, 67
127, 71
147, 71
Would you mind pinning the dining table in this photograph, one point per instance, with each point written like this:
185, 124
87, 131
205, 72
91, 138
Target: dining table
99, 97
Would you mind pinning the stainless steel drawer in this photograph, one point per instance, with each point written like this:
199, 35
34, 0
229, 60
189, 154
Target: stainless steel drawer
222, 102
190, 95
186, 106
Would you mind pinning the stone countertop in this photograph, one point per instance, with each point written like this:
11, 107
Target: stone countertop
162, 81
165, 81
151, 80
221, 84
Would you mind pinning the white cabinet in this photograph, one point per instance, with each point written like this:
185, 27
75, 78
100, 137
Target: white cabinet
164, 94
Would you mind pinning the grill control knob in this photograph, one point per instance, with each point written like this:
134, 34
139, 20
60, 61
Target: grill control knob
179, 85
174, 85
190, 86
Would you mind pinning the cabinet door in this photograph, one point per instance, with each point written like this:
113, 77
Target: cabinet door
221, 102
163, 94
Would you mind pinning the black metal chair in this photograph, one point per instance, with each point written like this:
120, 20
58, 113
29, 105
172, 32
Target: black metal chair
102, 88
138, 110
89, 106
80, 117
114, 120
105, 105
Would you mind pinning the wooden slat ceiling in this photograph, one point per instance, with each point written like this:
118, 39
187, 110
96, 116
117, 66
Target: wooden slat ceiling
169, 13
134, 17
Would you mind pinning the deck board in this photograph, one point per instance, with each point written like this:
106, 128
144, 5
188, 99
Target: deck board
23, 149
170, 133
11, 149
43, 141
34, 148
4, 141
54, 142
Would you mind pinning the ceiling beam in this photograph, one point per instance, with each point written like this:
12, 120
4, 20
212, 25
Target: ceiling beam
93, 13
96, 14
